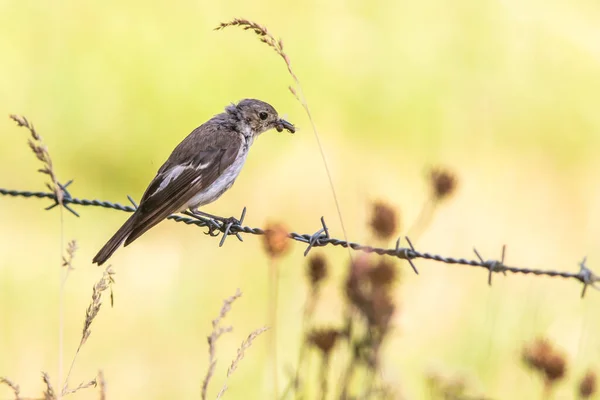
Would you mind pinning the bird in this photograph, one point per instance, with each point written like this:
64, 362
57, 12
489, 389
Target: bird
199, 170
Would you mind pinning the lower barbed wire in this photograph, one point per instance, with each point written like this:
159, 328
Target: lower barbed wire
320, 238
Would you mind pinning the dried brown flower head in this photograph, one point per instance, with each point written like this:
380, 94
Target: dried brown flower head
381, 310
536, 353
276, 239
317, 269
542, 357
367, 288
555, 367
359, 268
588, 385
323, 339
383, 274
443, 183
384, 220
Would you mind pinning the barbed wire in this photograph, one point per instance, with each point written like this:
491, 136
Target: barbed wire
321, 238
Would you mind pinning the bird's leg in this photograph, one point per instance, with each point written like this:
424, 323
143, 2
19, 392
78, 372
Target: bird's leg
198, 213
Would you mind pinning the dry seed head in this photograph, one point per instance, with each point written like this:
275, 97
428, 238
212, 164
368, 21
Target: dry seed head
355, 282
264, 36
13, 386
384, 220
443, 183
535, 354
383, 274
104, 283
41, 153
541, 356
243, 347
317, 269
68, 259
382, 309
555, 367
102, 383
323, 339
49, 392
276, 240
588, 385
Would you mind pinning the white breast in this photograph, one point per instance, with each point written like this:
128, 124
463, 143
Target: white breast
223, 182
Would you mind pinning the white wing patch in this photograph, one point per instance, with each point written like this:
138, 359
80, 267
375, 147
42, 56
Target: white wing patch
175, 172
171, 175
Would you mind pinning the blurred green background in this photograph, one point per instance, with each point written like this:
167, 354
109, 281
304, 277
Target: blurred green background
504, 93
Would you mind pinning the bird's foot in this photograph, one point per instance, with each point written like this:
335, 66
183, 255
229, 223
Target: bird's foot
223, 220
224, 225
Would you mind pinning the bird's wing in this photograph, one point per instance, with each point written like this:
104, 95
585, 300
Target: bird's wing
177, 183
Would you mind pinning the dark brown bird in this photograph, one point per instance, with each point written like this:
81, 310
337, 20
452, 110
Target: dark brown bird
200, 169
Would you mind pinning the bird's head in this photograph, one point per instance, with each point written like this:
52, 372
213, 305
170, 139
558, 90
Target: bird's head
259, 116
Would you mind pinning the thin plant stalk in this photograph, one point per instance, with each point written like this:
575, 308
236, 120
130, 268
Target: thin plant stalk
324, 376
266, 37
309, 308
423, 219
273, 302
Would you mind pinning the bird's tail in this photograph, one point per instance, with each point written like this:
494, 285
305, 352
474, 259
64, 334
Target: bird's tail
114, 242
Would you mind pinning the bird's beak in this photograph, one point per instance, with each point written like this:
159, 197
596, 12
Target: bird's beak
283, 124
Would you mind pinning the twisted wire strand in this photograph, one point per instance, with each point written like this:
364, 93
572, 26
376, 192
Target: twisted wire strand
320, 238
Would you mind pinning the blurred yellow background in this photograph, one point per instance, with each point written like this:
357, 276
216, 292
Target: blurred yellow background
504, 93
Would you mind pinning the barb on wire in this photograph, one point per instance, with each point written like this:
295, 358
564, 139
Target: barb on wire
322, 238
315, 239
493, 265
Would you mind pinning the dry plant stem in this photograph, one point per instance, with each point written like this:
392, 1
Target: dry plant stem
266, 37
273, 302
217, 331
347, 378
102, 384
309, 308
63, 275
105, 282
82, 385
352, 362
324, 375
423, 219
49, 392
13, 386
37, 146
40, 150
547, 391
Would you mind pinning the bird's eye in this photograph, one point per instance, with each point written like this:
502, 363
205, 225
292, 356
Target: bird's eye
263, 115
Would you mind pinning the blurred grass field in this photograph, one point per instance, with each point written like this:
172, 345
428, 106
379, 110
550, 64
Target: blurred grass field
504, 93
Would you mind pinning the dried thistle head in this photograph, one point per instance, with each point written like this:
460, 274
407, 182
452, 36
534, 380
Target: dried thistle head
355, 283
384, 220
443, 183
276, 240
555, 367
383, 274
367, 288
542, 357
588, 385
381, 310
535, 354
317, 269
323, 339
